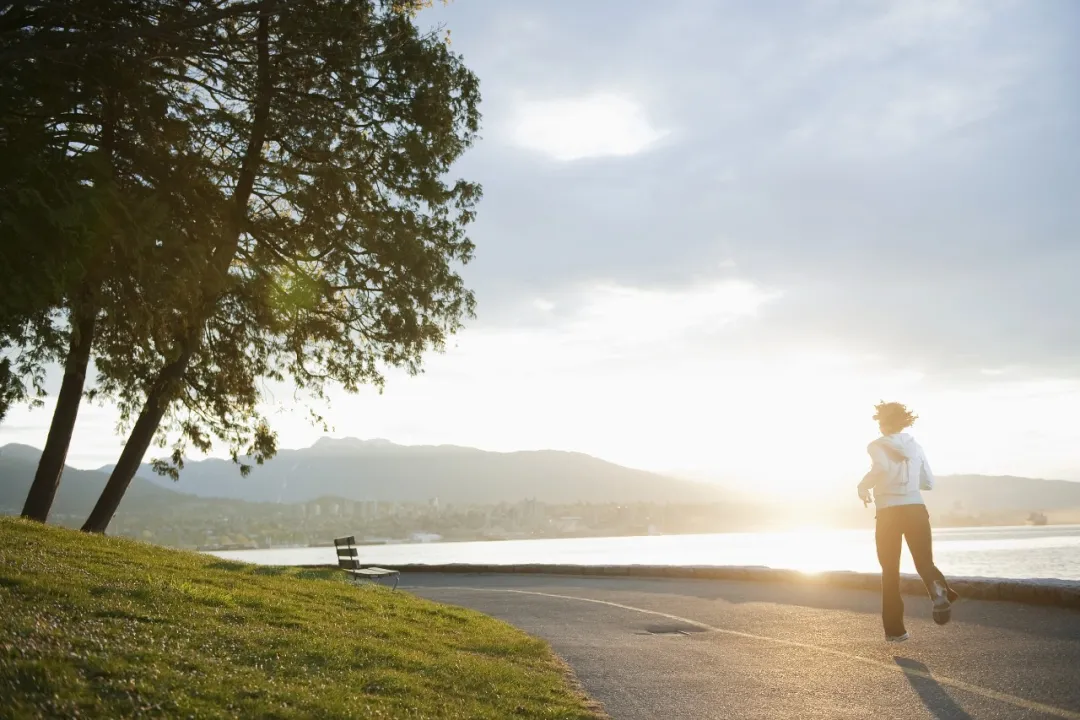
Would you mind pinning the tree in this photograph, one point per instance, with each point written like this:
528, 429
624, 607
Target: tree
98, 173
330, 126
38, 246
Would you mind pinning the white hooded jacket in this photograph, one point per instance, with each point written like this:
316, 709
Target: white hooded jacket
899, 471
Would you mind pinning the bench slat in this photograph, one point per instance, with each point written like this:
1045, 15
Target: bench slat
346, 552
372, 571
351, 540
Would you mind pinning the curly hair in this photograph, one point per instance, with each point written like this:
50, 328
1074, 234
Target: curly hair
894, 416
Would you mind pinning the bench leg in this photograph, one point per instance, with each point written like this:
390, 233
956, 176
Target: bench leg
396, 578
359, 580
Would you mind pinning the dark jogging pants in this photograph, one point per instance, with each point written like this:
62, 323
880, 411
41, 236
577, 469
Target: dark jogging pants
894, 524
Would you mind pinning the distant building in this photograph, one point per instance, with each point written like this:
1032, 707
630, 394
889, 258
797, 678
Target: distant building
569, 523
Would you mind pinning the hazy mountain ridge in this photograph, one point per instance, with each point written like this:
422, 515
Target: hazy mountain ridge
386, 472
1003, 492
79, 489
383, 471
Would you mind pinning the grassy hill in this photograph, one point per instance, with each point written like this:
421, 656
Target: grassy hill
100, 627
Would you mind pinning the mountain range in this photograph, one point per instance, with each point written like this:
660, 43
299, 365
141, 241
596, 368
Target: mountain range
383, 471
79, 489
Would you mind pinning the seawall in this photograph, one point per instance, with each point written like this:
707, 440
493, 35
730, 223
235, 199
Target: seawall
1059, 593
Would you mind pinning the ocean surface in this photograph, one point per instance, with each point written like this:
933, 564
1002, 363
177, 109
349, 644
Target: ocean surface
1051, 551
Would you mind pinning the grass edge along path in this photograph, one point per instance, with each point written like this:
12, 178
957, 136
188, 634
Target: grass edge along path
94, 626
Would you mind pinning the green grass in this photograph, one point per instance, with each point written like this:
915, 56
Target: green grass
94, 626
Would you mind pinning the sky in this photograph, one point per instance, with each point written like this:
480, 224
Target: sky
714, 234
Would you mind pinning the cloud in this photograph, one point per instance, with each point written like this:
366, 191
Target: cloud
601, 325
613, 316
873, 121
599, 125
908, 160
875, 31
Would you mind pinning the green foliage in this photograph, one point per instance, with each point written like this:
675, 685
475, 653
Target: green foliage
42, 212
344, 258
236, 208
11, 389
101, 627
95, 183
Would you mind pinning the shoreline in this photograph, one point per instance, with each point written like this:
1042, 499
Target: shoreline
1000, 554
1034, 591
396, 542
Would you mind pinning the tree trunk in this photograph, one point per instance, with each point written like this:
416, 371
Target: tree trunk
83, 324
51, 465
138, 442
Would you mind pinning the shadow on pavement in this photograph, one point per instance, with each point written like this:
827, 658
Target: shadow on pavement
937, 701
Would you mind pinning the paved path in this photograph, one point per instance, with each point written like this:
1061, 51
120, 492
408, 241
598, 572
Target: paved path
650, 649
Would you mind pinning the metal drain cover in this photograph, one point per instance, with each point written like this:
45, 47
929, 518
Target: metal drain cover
672, 629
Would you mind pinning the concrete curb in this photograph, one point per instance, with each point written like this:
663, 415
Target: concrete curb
1058, 593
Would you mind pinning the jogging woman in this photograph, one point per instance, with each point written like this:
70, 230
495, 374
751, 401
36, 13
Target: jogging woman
898, 475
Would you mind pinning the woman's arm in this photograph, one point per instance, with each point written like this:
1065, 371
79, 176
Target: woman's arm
878, 460
926, 475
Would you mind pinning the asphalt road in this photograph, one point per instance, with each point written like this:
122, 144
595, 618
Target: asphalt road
664, 648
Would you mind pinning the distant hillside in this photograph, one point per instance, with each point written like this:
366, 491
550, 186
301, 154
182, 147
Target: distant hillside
992, 493
960, 500
79, 489
380, 470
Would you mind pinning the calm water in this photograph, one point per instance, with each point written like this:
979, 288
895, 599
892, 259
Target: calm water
1006, 552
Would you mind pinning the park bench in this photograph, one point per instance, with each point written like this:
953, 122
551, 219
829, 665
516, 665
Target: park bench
346, 560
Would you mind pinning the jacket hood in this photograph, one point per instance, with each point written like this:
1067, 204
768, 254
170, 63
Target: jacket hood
903, 444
